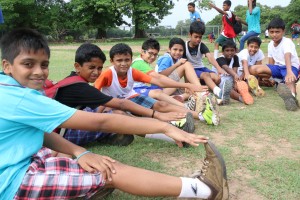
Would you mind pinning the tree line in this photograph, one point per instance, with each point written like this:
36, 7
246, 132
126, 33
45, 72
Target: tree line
77, 19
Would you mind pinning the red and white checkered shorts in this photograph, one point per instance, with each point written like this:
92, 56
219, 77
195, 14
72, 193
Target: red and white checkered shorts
57, 178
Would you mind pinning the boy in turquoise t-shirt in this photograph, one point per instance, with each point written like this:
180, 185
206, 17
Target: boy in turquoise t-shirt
27, 118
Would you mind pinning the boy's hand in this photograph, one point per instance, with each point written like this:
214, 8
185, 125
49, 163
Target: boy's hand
236, 77
211, 4
181, 61
94, 163
169, 116
180, 136
196, 88
222, 71
290, 77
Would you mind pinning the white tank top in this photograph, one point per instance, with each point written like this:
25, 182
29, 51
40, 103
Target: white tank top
116, 90
196, 61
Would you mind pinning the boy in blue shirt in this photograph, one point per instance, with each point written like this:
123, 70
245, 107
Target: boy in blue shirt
194, 15
28, 171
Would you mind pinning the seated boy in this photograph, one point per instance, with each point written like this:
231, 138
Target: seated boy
195, 50
230, 63
89, 60
252, 55
118, 82
27, 171
283, 64
149, 52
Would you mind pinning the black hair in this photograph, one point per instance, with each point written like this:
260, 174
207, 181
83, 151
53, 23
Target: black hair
276, 23
197, 27
227, 2
151, 44
254, 39
176, 40
228, 44
191, 4
120, 48
87, 51
22, 39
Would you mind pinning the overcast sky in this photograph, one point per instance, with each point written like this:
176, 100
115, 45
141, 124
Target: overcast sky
180, 12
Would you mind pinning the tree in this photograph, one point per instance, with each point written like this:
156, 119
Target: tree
146, 13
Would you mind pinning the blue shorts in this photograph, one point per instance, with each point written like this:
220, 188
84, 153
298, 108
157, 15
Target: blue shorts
280, 71
146, 89
199, 71
295, 36
144, 101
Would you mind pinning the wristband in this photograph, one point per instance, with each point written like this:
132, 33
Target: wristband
77, 157
153, 114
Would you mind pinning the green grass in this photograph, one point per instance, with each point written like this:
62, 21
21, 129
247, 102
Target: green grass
260, 143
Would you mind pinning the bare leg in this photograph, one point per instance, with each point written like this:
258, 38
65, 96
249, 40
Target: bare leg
208, 79
142, 182
260, 71
161, 96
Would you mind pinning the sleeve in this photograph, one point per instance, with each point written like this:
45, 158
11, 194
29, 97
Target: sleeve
197, 16
256, 11
164, 63
221, 61
229, 14
243, 55
287, 46
140, 76
41, 112
236, 61
261, 55
270, 52
104, 80
81, 94
203, 49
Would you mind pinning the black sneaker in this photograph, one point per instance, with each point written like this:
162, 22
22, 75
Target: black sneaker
117, 139
289, 100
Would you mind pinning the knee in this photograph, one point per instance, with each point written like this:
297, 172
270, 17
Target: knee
155, 93
205, 75
217, 79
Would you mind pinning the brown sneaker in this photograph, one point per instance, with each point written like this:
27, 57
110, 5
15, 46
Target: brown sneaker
213, 173
289, 100
200, 100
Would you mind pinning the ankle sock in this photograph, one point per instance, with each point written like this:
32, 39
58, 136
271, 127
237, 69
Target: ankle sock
160, 136
216, 53
217, 91
193, 187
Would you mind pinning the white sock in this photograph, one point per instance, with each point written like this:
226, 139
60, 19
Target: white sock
193, 187
293, 94
201, 118
216, 53
160, 136
217, 91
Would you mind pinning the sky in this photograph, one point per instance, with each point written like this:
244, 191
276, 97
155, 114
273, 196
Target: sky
180, 12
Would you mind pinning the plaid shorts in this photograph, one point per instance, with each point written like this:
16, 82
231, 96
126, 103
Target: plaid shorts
144, 101
57, 178
81, 137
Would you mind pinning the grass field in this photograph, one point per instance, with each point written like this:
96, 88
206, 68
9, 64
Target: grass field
260, 143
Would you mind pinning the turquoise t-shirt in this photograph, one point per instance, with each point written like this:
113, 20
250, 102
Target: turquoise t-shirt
253, 20
164, 62
25, 116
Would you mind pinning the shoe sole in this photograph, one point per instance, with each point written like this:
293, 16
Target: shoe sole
227, 87
215, 109
253, 84
242, 88
286, 94
219, 156
199, 102
189, 126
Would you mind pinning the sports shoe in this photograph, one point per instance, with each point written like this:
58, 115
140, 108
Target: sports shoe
225, 92
242, 88
191, 103
117, 139
210, 113
289, 100
213, 173
200, 100
255, 89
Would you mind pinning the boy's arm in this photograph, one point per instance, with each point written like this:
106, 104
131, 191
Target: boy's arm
231, 72
240, 20
89, 161
121, 124
213, 61
217, 9
127, 105
246, 69
169, 70
290, 76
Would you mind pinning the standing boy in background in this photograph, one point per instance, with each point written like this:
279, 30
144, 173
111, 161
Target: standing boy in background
194, 15
228, 32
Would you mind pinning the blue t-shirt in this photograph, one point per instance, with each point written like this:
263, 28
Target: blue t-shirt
164, 62
253, 20
194, 16
25, 116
